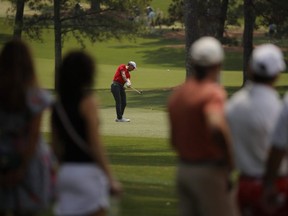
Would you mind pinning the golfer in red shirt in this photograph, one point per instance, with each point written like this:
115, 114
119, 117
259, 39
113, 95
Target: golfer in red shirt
121, 81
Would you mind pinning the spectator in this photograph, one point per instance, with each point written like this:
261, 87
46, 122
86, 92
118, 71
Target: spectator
150, 16
149, 9
84, 178
275, 191
200, 137
252, 113
121, 81
272, 31
25, 159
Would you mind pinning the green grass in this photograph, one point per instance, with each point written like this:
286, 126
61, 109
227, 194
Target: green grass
146, 167
161, 5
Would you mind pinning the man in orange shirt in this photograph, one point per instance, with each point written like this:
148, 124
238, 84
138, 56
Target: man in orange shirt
200, 136
121, 80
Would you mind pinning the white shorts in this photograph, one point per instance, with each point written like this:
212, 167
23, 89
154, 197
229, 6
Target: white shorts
82, 189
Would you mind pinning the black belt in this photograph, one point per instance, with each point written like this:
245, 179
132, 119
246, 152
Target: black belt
117, 83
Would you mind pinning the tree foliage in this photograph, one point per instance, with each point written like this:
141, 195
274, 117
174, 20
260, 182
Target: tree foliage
273, 12
211, 15
101, 20
267, 12
205, 17
112, 19
175, 11
234, 12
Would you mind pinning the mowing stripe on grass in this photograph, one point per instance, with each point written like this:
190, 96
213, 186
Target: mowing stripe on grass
144, 123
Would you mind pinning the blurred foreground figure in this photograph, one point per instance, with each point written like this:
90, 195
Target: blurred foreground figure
252, 113
25, 160
275, 191
200, 137
84, 178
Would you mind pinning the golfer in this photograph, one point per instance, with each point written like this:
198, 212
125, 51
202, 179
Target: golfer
252, 113
199, 136
121, 81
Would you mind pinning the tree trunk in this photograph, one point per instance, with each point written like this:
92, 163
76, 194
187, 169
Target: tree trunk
249, 22
211, 19
95, 5
19, 19
222, 19
191, 30
58, 39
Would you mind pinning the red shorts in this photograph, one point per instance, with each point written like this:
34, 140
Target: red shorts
250, 192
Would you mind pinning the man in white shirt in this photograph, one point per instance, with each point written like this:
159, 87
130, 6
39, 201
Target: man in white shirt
252, 113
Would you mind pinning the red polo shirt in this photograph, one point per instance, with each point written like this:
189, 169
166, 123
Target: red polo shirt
118, 77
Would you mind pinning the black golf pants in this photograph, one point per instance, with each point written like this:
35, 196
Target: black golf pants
119, 94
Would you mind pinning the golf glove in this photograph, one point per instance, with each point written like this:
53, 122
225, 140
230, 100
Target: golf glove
127, 84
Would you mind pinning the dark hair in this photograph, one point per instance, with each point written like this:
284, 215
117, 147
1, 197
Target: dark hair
262, 79
17, 74
200, 72
76, 75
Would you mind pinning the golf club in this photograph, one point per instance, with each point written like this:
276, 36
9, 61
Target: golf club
139, 92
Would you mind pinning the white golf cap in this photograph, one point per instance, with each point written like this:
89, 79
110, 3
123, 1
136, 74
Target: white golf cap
132, 63
206, 51
267, 60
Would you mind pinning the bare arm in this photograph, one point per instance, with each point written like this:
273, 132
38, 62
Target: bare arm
55, 141
124, 75
272, 166
127, 80
89, 110
270, 193
221, 134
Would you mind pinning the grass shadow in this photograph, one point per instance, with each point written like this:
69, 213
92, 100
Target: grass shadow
149, 188
162, 55
155, 99
140, 151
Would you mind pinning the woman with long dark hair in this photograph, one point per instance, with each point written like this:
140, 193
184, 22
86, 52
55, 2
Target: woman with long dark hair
84, 178
25, 160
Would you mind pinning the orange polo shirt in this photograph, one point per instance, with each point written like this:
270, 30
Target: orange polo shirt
190, 134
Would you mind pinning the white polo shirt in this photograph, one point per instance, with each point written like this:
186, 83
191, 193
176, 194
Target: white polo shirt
280, 134
252, 113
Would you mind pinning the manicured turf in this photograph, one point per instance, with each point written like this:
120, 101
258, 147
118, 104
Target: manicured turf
146, 167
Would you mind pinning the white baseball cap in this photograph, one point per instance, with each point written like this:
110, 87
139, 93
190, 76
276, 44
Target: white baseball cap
132, 63
267, 60
206, 51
